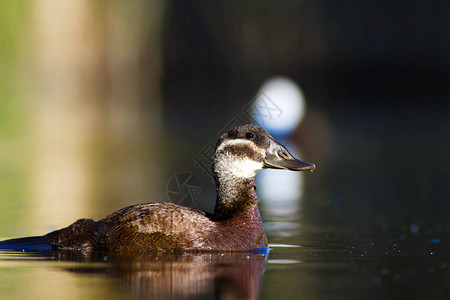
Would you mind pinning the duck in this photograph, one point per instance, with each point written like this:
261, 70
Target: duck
235, 225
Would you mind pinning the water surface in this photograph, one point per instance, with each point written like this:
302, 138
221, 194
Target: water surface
307, 262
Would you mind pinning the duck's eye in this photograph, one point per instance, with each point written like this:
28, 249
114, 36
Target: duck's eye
250, 135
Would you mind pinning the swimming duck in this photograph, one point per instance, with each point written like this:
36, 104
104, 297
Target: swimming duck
235, 224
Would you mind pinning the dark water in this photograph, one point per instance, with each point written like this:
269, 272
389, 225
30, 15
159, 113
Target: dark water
339, 263
372, 223
305, 262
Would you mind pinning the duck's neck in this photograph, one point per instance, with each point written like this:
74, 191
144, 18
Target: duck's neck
234, 195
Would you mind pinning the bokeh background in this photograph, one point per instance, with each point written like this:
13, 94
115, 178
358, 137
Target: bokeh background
102, 102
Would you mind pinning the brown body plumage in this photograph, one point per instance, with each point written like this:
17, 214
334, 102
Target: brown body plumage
235, 225
166, 226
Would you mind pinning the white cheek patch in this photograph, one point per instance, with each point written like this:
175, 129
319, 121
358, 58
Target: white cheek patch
238, 167
245, 168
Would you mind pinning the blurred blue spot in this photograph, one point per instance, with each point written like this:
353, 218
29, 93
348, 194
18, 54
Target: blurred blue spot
414, 228
435, 241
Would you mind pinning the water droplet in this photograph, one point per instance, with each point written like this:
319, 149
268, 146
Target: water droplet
414, 228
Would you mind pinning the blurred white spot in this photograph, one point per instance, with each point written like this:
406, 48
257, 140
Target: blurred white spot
279, 107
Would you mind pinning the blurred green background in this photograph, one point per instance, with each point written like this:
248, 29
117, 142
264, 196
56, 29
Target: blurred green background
102, 102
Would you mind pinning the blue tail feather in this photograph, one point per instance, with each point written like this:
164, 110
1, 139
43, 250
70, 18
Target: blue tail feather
33, 243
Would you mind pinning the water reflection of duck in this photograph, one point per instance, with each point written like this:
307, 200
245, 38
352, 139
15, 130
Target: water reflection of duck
156, 275
235, 225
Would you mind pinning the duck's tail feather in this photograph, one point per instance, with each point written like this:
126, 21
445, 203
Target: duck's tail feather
33, 243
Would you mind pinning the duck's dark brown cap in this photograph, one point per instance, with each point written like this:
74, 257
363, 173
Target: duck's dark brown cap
240, 132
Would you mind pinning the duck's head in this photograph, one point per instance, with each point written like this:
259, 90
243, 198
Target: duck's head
244, 150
